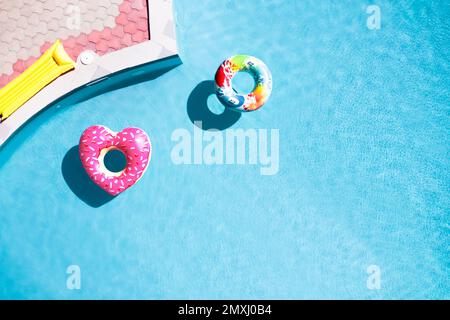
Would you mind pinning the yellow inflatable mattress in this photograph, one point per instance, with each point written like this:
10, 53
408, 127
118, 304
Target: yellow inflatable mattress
53, 63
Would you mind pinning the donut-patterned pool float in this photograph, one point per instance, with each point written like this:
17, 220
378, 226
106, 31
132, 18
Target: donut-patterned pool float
97, 141
260, 73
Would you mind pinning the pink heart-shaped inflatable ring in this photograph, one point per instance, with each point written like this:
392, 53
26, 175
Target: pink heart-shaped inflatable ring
97, 141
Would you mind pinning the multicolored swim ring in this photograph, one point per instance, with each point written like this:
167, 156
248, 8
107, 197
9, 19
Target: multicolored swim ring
96, 141
234, 100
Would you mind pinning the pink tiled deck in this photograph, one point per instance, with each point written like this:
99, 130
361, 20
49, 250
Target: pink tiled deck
123, 23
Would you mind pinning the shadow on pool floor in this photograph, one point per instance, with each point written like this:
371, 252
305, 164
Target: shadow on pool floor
198, 110
80, 183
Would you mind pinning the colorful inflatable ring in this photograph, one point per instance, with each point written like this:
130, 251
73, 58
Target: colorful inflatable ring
97, 141
263, 83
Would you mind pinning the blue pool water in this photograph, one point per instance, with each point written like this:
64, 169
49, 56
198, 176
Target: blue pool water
363, 179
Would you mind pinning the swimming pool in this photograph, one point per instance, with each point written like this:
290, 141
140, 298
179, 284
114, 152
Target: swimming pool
362, 181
